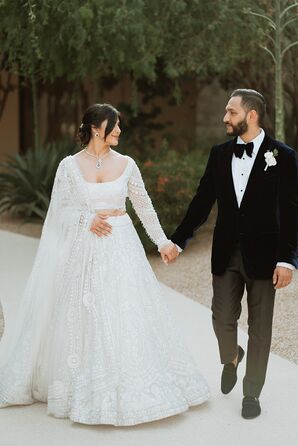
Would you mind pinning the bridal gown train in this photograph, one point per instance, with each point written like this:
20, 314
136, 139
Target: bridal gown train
93, 336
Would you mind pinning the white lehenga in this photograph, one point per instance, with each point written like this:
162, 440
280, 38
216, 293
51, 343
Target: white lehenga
94, 338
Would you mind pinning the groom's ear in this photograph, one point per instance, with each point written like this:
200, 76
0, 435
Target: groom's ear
253, 116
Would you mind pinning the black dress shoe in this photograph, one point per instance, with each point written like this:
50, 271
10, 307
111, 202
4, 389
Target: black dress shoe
229, 373
250, 407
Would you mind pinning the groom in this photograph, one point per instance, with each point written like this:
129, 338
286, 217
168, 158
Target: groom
254, 180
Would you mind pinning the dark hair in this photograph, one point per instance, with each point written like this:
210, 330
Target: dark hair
252, 100
95, 115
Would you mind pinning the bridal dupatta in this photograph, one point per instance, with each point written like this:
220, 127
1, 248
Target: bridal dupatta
65, 242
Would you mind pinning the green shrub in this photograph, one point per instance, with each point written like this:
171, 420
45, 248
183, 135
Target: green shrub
26, 181
171, 179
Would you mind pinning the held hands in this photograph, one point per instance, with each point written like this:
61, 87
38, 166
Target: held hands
282, 277
169, 253
99, 226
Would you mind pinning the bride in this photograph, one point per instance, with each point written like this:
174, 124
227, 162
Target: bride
93, 336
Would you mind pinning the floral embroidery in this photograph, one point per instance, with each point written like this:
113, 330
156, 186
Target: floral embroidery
73, 360
88, 299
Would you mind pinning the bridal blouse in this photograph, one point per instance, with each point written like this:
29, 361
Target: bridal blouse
93, 336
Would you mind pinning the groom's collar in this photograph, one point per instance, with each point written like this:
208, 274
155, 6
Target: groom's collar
257, 141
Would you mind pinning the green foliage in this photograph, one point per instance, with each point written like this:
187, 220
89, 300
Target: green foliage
171, 180
137, 130
100, 37
47, 41
26, 181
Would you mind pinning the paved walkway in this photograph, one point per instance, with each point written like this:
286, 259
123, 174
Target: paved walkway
217, 422
191, 276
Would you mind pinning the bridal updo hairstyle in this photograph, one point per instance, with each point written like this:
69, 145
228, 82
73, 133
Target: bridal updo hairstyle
252, 100
95, 115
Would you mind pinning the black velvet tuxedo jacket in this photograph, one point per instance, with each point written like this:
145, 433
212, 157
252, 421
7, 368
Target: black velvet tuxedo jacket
266, 224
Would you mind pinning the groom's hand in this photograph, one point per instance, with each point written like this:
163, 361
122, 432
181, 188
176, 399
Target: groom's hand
282, 277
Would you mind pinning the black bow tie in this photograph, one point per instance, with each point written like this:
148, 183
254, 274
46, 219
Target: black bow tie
239, 149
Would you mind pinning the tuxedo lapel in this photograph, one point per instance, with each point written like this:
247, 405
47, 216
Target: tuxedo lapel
257, 170
226, 167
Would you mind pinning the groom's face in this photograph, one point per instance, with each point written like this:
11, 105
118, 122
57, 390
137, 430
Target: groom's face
235, 118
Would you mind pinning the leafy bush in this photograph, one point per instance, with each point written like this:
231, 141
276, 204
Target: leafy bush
138, 129
26, 181
171, 179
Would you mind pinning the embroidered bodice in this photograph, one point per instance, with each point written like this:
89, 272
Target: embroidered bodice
108, 195
113, 194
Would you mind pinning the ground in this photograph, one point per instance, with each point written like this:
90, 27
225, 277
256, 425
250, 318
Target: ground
191, 276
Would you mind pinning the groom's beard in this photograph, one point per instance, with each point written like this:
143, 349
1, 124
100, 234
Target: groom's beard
238, 129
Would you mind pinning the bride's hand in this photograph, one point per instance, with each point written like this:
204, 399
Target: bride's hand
169, 253
100, 227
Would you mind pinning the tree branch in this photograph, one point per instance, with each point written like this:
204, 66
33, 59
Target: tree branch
263, 16
272, 40
288, 9
288, 47
288, 22
269, 52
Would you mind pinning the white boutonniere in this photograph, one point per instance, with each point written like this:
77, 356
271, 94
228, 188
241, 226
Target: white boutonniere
270, 158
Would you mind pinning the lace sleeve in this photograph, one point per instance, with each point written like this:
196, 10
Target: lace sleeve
142, 204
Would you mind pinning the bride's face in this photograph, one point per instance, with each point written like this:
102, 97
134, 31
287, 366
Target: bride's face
112, 138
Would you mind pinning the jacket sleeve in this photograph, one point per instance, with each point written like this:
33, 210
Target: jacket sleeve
199, 207
288, 211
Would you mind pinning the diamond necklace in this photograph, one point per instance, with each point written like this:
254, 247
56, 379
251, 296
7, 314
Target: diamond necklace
99, 159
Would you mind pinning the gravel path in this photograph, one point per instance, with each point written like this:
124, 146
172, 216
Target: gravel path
190, 275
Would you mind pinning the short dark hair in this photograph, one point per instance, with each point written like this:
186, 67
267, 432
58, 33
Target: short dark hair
252, 100
95, 115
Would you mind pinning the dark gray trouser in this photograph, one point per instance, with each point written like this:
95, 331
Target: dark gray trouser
228, 291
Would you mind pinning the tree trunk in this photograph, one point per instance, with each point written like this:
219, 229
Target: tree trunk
6, 86
198, 116
279, 106
35, 112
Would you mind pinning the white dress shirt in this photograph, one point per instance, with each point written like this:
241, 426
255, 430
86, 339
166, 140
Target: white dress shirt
241, 169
